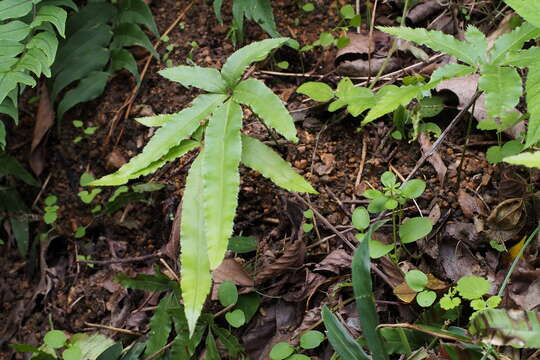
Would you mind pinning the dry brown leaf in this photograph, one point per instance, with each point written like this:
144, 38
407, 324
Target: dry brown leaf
335, 261
231, 270
44, 121
435, 284
404, 293
423, 11
470, 205
292, 258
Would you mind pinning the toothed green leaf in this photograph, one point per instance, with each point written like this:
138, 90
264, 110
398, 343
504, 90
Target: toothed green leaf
448, 72
522, 58
437, 41
512, 41
237, 63
168, 136
478, 41
267, 105
208, 79
195, 269
502, 87
222, 153
263, 159
533, 105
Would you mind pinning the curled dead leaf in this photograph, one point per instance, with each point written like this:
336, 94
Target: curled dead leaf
292, 257
404, 293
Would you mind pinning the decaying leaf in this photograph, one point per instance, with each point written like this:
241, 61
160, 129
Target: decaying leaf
435, 160
508, 215
44, 121
470, 205
354, 59
405, 293
292, 257
335, 261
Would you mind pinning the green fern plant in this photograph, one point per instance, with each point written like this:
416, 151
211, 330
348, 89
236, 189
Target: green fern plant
95, 48
259, 11
210, 196
28, 39
497, 67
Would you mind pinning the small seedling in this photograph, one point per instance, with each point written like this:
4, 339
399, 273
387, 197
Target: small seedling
308, 225
86, 131
309, 340
85, 257
393, 197
472, 288
246, 305
51, 210
418, 282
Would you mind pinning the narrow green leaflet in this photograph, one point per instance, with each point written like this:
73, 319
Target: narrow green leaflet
169, 135
517, 328
217, 10
522, 58
53, 14
340, 338
238, 62
155, 282
316, 90
532, 88
260, 11
221, 158
268, 106
263, 159
208, 79
502, 87
10, 79
160, 325
87, 89
527, 9
132, 35
136, 11
389, 98
46, 42
156, 120
15, 8
448, 72
512, 41
363, 292
195, 268
529, 159
123, 59
14, 30
437, 41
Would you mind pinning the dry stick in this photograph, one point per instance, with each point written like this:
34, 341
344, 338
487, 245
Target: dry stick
129, 102
325, 222
118, 330
124, 260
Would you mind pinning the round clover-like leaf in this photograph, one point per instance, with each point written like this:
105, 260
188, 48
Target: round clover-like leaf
360, 218
478, 304
347, 12
493, 301
388, 179
235, 318
426, 298
414, 229
413, 188
448, 303
377, 249
311, 339
72, 353
318, 91
472, 287
55, 339
416, 280
281, 351
227, 293
377, 205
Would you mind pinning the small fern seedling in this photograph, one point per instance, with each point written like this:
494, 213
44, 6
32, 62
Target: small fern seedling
211, 193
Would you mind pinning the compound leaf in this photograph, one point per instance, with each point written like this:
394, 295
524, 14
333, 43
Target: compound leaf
195, 268
14, 30
527, 9
479, 42
46, 42
168, 136
532, 88
10, 79
502, 87
221, 158
208, 79
448, 72
437, 41
237, 63
15, 8
94, 13
267, 106
136, 11
88, 89
53, 14
522, 58
263, 159
512, 41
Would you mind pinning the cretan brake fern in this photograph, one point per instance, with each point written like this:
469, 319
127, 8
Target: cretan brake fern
211, 193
